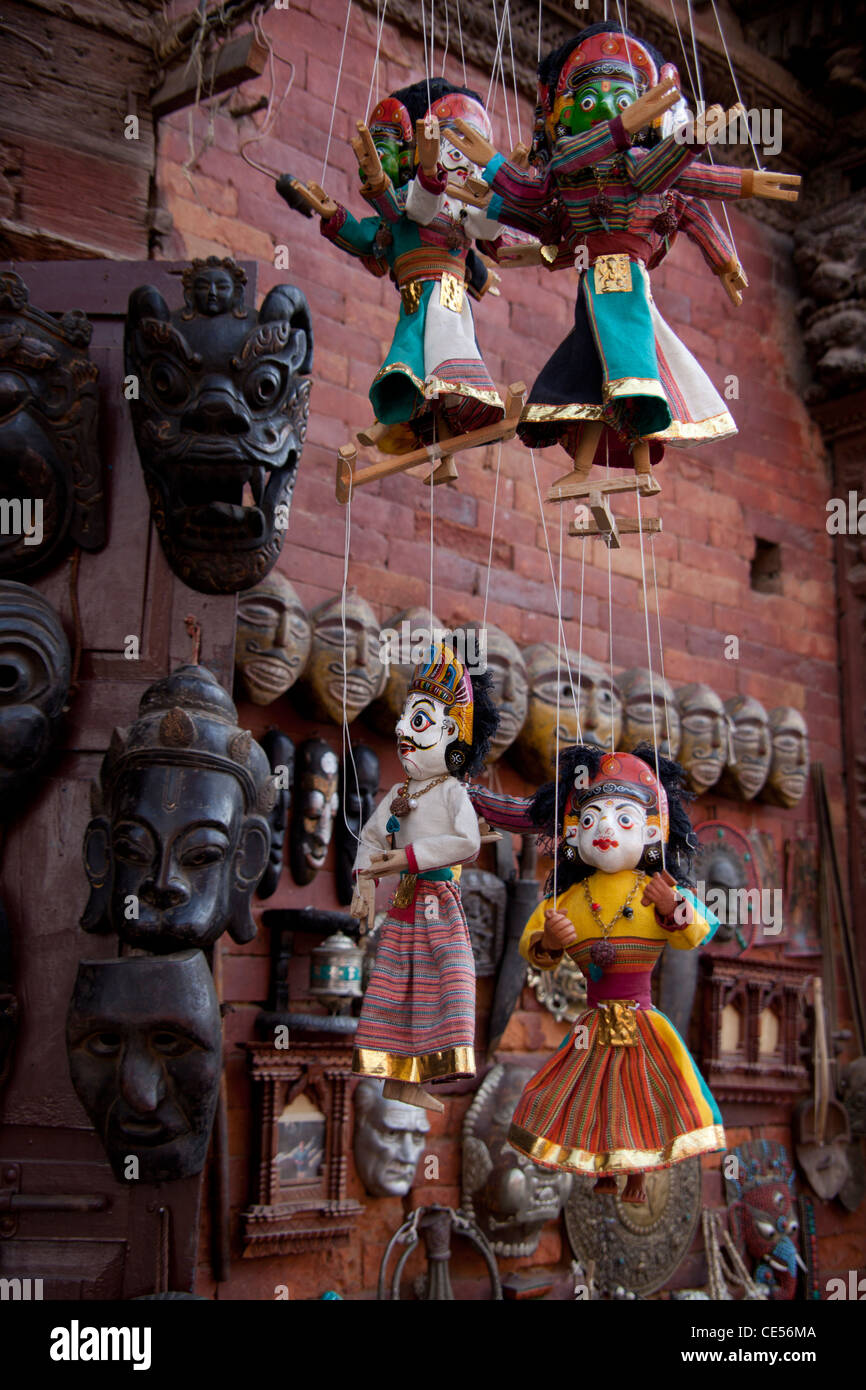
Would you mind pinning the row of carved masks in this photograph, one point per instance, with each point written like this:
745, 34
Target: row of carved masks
177, 844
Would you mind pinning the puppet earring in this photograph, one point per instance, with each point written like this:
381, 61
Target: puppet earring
653, 854
455, 758
567, 853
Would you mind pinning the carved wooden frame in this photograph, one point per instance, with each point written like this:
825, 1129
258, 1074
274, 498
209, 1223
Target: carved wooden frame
318, 1211
745, 1075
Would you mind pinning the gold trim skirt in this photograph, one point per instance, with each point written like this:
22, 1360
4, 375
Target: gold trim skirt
452, 1061
711, 1139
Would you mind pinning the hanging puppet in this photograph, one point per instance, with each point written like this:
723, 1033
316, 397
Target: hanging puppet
417, 1023
610, 194
433, 384
622, 1093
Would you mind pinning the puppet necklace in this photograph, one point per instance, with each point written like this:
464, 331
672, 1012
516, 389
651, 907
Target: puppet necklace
602, 953
403, 802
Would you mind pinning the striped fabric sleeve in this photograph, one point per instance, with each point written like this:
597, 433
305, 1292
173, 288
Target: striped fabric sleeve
652, 171
712, 181
701, 227
503, 812
575, 152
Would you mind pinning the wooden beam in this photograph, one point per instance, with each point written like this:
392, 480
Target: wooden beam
233, 63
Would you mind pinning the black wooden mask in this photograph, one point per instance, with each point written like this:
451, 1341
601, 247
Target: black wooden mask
220, 420
359, 803
144, 1040
51, 476
34, 682
280, 753
315, 805
180, 835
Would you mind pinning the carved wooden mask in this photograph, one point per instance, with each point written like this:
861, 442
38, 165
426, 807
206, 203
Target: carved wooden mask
220, 420
705, 736
273, 639
360, 794
344, 669
280, 753
34, 682
647, 697
789, 764
751, 748
599, 704
52, 486
316, 805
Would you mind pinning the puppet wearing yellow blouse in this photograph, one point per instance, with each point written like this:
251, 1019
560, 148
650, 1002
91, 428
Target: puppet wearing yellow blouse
622, 1093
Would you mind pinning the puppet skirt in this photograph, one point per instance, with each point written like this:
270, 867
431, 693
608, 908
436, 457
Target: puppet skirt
434, 356
418, 1017
597, 1108
623, 365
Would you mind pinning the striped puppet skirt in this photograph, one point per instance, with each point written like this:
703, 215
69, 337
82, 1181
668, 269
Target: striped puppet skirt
623, 365
418, 1017
434, 355
600, 1108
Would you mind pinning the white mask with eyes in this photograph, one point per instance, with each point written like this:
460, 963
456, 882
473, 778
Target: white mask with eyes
424, 732
612, 833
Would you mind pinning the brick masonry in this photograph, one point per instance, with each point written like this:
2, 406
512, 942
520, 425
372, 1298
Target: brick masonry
771, 481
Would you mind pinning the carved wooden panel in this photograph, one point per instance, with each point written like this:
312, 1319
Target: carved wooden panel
752, 1018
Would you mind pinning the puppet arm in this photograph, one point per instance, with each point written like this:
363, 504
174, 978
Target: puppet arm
701, 227
727, 182
505, 812
354, 237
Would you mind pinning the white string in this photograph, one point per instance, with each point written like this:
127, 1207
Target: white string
492, 534
556, 596
650, 665
424, 46
374, 76
336, 93
346, 741
447, 38
610, 638
460, 32
271, 111
623, 27
556, 741
432, 65
661, 648
734, 80
513, 72
580, 640
432, 471
540, 3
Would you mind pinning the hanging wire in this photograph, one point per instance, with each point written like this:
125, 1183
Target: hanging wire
623, 24
492, 534
374, 76
734, 79
271, 111
513, 71
460, 32
661, 648
540, 3
424, 46
580, 639
556, 741
556, 596
649, 663
346, 745
447, 38
336, 93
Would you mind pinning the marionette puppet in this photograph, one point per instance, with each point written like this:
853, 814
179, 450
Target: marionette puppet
433, 386
417, 1022
600, 180
622, 1093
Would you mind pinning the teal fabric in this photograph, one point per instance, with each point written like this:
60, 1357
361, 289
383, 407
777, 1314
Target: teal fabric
704, 911
436, 875
394, 394
623, 332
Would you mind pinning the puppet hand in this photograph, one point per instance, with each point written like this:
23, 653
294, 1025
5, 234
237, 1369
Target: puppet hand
659, 893
393, 861
559, 931
733, 279
519, 156
364, 902
317, 199
427, 144
652, 104
712, 124
783, 187
473, 145
368, 158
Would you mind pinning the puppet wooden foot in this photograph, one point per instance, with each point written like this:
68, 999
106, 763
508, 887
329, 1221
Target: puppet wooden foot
589, 436
641, 459
411, 1094
605, 1186
634, 1190
372, 434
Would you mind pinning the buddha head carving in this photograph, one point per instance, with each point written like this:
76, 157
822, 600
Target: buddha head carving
273, 639
647, 698
507, 1195
180, 835
599, 708
280, 753
344, 671
705, 738
751, 748
220, 420
789, 764
510, 686
144, 1040
360, 793
34, 682
389, 1139
316, 803
405, 638
52, 489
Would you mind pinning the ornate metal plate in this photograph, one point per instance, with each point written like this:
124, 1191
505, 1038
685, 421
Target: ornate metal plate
638, 1247
562, 991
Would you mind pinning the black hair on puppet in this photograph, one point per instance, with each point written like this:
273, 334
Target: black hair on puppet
418, 98
467, 759
681, 842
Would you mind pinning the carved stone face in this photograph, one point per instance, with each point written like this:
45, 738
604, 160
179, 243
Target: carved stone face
789, 764
724, 874
853, 1088
316, 804
144, 1041
327, 680
509, 691
360, 792
34, 682
646, 697
510, 1197
751, 748
408, 634
220, 420
389, 1140
52, 485
280, 753
273, 639
599, 706
483, 896
182, 838
704, 746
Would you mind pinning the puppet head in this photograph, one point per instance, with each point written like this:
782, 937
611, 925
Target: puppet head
390, 126
405, 639
448, 719
447, 103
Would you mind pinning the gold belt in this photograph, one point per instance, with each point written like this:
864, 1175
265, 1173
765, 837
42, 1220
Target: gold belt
451, 290
612, 273
617, 1023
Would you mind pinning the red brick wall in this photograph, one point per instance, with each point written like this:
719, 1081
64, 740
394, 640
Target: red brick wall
771, 481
